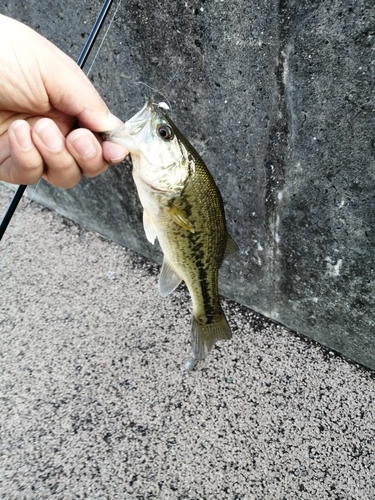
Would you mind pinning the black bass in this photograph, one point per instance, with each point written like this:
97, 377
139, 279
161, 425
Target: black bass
184, 210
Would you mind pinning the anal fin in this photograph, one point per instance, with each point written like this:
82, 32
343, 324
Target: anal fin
168, 279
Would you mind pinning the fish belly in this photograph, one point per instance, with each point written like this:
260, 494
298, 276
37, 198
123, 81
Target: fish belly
196, 258
193, 252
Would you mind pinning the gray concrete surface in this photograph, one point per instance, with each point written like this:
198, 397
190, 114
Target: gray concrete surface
278, 96
95, 402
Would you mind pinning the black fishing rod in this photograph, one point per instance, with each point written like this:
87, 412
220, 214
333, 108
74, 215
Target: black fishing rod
81, 62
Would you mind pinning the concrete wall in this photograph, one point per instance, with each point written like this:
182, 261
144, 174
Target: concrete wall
279, 97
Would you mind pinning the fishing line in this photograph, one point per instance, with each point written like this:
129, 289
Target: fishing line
81, 62
178, 47
104, 37
157, 91
172, 78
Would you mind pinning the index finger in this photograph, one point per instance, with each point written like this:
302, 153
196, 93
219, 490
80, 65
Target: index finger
71, 92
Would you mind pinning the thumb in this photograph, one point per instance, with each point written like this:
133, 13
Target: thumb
71, 92
42, 77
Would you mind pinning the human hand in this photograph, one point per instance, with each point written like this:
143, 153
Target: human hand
44, 96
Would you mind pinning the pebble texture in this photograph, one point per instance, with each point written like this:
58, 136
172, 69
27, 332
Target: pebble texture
95, 401
279, 99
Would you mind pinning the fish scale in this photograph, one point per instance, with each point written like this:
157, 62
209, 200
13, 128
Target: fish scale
184, 210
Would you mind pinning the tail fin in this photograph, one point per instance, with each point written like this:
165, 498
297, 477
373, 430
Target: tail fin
204, 336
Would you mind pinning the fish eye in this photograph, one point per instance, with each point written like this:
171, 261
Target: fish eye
165, 132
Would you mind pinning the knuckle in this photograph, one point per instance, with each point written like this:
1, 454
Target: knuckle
29, 169
62, 171
92, 169
64, 183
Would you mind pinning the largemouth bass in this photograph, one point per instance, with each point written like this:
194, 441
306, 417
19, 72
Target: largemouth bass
183, 209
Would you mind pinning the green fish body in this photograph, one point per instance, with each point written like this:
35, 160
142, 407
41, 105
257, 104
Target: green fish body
183, 209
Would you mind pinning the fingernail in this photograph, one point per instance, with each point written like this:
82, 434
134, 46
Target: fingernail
84, 146
50, 137
21, 132
118, 153
117, 159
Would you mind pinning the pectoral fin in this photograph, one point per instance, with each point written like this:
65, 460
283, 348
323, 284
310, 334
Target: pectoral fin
179, 217
168, 279
231, 247
149, 227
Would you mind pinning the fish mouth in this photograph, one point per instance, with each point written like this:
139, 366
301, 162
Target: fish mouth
139, 120
125, 133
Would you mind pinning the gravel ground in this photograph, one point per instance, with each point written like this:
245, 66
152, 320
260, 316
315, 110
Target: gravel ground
95, 401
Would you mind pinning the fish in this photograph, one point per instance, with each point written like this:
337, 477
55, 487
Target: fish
183, 209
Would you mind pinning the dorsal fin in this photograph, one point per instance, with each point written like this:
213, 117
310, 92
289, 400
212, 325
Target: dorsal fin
231, 247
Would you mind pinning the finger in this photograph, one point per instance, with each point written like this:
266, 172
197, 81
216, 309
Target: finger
87, 152
70, 91
53, 79
61, 168
20, 160
114, 153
